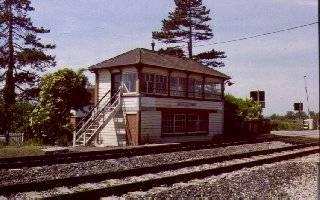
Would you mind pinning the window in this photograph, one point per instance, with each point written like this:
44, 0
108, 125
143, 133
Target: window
178, 86
147, 85
168, 123
161, 84
208, 89
184, 123
212, 90
153, 83
129, 80
217, 88
180, 123
195, 88
197, 122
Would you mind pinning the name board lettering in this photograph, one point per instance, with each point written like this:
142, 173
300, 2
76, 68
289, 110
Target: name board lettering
186, 104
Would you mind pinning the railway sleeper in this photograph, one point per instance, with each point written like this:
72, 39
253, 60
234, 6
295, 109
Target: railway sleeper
71, 181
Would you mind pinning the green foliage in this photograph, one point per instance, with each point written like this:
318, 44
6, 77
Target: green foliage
20, 113
2, 144
244, 108
60, 92
173, 51
292, 120
187, 14
33, 142
13, 151
23, 55
211, 58
286, 125
186, 24
290, 115
237, 112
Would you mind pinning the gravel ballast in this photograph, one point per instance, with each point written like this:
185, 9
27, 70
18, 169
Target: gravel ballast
11, 176
294, 179
113, 182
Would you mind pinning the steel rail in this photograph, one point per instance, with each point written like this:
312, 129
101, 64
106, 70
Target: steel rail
65, 158
71, 181
169, 180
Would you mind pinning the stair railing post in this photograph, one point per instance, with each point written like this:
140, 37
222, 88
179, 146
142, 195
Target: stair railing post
84, 139
74, 138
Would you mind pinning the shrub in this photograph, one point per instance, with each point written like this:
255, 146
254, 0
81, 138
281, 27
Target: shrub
237, 111
33, 142
59, 93
285, 125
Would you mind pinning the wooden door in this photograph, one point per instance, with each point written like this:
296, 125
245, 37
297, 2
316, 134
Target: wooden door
132, 129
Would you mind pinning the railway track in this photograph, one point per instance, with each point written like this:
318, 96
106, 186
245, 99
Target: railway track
248, 159
64, 158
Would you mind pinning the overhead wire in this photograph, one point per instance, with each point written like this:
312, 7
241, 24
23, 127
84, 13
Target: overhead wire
255, 36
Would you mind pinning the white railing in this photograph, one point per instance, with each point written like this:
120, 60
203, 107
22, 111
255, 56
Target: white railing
111, 104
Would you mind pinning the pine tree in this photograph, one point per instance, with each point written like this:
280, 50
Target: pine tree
186, 24
173, 51
23, 56
211, 58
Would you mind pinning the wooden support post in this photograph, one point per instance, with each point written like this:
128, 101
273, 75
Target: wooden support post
139, 77
96, 91
202, 87
187, 86
169, 85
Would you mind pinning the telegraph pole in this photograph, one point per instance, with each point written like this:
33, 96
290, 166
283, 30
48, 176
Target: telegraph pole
306, 89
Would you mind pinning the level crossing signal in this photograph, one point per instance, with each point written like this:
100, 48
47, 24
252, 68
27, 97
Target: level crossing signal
298, 107
258, 96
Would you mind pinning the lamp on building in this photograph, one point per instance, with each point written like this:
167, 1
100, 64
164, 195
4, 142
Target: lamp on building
229, 83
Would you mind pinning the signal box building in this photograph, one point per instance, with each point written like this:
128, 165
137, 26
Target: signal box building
163, 99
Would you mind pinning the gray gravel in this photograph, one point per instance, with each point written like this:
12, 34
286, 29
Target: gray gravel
109, 182
295, 179
10, 176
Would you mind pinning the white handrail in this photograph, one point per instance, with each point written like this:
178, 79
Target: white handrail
95, 114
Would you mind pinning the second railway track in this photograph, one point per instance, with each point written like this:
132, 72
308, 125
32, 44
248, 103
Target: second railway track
255, 158
64, 158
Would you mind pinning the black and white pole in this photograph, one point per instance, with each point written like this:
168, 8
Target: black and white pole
306, 89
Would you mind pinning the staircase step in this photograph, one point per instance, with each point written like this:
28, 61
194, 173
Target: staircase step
102, 116
93, 126
91, 130
122, 132
119, 119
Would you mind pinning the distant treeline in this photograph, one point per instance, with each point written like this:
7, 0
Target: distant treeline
292, 120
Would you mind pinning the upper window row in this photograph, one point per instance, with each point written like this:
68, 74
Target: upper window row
179, 86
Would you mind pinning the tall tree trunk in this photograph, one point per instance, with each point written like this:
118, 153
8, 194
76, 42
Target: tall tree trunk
8, 92
190, 33
190, 43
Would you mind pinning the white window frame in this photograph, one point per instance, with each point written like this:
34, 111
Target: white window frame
131, 85
180, 89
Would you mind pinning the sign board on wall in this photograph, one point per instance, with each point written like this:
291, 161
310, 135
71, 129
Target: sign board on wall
186, 104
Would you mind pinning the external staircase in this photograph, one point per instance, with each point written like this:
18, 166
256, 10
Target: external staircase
98, 117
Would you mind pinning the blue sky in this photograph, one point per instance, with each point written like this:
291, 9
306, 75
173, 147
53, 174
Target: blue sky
89, 31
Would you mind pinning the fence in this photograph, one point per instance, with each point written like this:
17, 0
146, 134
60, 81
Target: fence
247, 127
13, 138
257, 126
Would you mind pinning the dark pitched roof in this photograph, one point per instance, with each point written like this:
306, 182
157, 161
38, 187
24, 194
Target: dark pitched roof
153, 58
